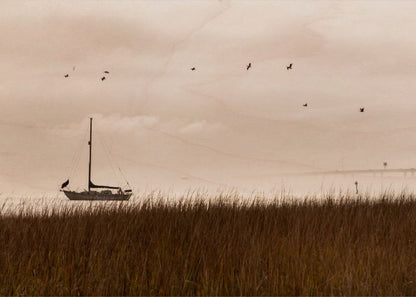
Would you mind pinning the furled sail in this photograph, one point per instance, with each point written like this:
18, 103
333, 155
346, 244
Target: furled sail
102, 187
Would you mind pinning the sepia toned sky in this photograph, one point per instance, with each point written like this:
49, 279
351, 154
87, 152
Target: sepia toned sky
168, 127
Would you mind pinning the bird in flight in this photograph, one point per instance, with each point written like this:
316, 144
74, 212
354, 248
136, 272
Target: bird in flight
361, 109
106, 72
193, 68
305, 105
103, 78
248, 66
66, 75
289, 67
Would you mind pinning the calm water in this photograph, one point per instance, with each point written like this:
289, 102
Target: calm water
249, 188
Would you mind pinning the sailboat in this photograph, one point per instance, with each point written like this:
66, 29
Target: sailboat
109, 192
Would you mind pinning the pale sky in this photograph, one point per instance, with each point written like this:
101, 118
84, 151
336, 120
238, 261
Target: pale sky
166, 126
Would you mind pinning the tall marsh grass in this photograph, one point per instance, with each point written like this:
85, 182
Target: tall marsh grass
225, 246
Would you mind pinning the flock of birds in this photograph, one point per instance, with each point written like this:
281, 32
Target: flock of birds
102, 78
289, 67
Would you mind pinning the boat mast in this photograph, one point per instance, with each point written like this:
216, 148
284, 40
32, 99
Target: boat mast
89, 163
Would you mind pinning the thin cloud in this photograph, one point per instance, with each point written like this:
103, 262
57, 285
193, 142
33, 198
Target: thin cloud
108, 124
200, 127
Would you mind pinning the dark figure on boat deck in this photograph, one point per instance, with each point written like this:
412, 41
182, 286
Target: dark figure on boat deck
66, 183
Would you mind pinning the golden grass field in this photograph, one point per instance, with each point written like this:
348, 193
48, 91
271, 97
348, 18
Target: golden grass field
338, 245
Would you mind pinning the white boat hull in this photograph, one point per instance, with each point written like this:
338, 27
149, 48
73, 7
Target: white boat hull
93, 195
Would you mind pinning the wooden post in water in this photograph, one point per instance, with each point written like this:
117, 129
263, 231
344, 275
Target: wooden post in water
89, 163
